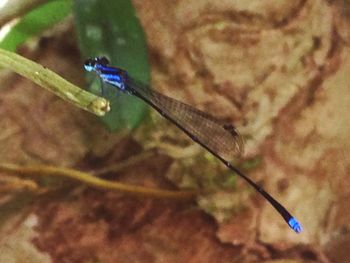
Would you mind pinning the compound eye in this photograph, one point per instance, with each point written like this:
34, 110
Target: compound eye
89, 64
103, 61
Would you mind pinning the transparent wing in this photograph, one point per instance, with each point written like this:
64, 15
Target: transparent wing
220, 138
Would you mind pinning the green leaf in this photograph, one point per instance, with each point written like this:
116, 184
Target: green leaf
36, 21
110, 28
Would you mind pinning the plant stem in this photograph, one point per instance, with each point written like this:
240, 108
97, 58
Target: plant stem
44, 170
54, 83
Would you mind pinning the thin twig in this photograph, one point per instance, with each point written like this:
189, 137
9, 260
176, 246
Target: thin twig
45, 170
15, 184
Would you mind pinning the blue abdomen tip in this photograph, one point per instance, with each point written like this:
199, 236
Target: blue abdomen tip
294, 224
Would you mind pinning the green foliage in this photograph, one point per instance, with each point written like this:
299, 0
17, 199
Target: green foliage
36, 21
110, 28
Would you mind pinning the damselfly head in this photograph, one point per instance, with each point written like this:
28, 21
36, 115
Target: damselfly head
102, 60
91, 63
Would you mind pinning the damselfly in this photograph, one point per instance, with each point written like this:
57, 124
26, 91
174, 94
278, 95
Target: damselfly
220, 139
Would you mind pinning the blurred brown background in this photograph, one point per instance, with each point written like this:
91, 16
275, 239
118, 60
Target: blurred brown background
279, 70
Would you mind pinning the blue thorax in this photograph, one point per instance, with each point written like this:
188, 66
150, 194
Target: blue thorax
114, 76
